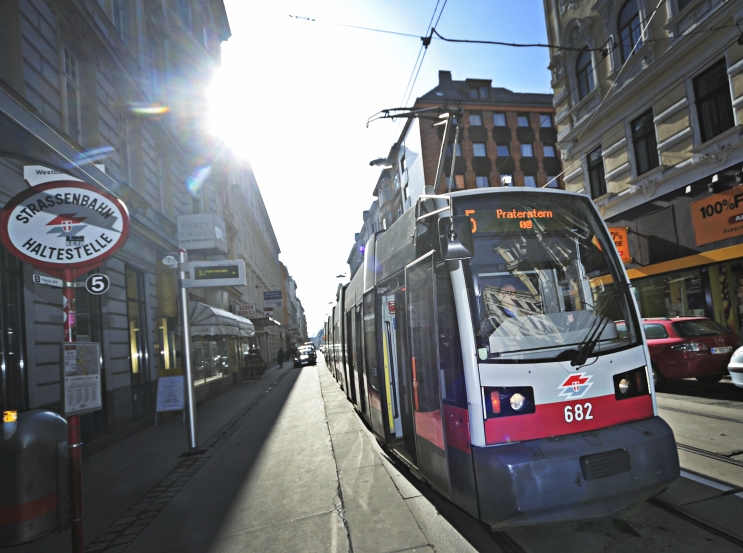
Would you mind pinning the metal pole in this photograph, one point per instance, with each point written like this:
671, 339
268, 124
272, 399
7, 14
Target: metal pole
442, 153
74, 445
191, 403
453, 159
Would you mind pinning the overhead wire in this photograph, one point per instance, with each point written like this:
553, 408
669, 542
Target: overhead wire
419, 60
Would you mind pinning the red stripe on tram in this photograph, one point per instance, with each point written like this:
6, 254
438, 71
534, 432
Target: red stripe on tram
21, 512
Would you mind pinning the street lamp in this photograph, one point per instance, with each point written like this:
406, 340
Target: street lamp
382, 162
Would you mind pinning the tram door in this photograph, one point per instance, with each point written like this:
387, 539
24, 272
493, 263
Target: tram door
390, 364
398, 384
358, 365
423, 351
349, 359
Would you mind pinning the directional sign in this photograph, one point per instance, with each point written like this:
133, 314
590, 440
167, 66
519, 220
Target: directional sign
97, 284
49, 281
64, 226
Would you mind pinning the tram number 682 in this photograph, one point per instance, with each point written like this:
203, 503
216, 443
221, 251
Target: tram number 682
578, 412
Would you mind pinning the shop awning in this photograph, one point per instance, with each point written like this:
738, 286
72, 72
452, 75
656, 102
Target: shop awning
212, 321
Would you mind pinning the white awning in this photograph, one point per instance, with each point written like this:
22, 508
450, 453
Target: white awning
212, 321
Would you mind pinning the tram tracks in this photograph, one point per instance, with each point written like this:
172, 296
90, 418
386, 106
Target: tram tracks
706, 415
712, 454
696, 521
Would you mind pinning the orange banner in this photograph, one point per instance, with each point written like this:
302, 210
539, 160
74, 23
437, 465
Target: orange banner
718, 216
619, 235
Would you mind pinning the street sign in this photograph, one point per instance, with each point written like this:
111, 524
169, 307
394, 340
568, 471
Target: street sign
81, 378
272, 299
35, 175
64, 226
97, 284
49, 281
205, 274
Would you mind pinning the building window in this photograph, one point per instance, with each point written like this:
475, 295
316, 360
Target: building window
527, 150
630, 32
184, 12
683, 3
124, 149
714, 107
549, 151
12, 334
458, 182
584, 70
530, 181
138, 346
449, 149
503, 151
522, 120
482, 182
506, 180
646, 148
479, 92
545, 121
72, 95
552, 182
118, 14
475, 120
478, 149
499, 119
596, 173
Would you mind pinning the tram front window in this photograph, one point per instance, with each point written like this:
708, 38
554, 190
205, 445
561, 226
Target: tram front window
545, 279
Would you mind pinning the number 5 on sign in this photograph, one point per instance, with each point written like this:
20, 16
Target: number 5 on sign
97, 284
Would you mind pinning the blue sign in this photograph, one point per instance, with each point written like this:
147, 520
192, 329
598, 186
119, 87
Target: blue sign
272, 299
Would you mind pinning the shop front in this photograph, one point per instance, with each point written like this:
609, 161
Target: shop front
218, 342
686, 252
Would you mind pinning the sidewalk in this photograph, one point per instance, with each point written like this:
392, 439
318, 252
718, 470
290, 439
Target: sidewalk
287, 466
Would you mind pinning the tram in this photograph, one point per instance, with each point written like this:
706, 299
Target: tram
479, 342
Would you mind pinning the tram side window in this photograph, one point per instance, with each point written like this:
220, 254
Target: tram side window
450, 347
421, 324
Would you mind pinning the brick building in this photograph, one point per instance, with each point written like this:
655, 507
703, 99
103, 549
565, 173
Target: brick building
506, 139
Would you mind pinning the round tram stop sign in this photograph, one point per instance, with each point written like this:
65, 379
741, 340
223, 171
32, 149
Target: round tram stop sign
63, 226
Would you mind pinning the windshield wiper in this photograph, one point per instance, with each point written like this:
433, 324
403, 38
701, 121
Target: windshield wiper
593, 336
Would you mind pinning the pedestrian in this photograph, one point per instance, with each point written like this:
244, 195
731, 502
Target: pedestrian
280, 357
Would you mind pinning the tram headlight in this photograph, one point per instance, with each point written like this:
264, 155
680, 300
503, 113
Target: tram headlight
517, 402
630, 384
505, 401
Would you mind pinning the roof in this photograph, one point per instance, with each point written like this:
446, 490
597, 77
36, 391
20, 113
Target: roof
450, 90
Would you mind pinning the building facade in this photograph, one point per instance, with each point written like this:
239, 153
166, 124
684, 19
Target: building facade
505, 139
113, 92
649, 104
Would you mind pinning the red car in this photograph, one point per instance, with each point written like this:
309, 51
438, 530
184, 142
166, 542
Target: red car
688, 347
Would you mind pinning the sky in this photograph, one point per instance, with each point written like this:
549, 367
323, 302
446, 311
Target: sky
298, 83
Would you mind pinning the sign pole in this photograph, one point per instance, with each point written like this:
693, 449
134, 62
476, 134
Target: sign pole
191, 404
74, 444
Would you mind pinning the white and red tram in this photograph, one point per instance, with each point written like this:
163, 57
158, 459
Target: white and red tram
488, 359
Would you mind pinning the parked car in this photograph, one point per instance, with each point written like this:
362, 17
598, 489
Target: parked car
687, 347
306, 355
735, 367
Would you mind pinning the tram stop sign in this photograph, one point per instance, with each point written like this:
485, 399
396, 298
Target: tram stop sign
64, 226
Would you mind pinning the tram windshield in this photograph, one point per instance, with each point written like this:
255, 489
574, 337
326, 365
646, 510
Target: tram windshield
546, 280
